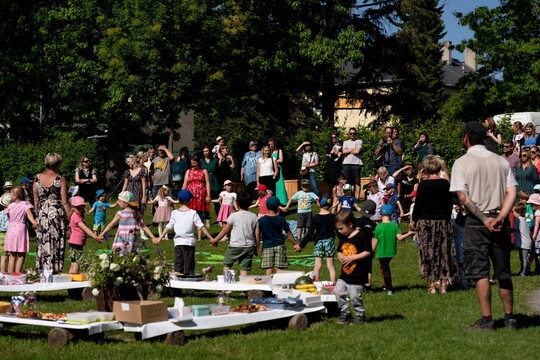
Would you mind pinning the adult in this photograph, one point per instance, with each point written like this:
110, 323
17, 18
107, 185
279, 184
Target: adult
178, 169
209, 163
493, 138
486, 187
431, 218
161, 170
135, 180
267, 170
535, 157
86, 178
333, 160
422, 147
389, 150
407, 182
248, 168
517, 138
526, 173
225, 166
352, 164
52, 207
277, 154
530, 136
197, 181
220, 141
150, 156
511, 156
383, 178
310, 160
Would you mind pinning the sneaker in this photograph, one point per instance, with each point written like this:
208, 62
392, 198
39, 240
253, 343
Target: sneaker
390, 292
510, 324
358, 320
481, 325
343, 319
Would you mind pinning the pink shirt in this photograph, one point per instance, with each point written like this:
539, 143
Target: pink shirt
78, 237
262, 205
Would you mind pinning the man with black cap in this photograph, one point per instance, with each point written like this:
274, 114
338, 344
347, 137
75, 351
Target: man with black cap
486, 187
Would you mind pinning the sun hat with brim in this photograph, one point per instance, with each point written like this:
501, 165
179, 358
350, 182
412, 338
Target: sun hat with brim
386, 210
5, 200
99, 193
534, 199
185, 195
536, 187
77, 201
127, 197
8, 185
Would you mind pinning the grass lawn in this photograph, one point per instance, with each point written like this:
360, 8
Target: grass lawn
409, 324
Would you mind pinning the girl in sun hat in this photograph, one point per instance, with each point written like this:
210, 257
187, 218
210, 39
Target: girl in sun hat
228, 202
129, 222
79, 230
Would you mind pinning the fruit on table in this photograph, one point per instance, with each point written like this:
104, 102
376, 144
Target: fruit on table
303, 280
306, 287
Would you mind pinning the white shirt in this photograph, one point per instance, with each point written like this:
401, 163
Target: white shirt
266, 167
243, 228
382, 185
183, 223
352, 159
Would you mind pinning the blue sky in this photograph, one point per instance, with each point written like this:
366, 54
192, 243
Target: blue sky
455, 32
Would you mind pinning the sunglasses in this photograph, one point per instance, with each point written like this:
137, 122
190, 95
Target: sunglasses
523, 155
534, 152
85, 161
351, 133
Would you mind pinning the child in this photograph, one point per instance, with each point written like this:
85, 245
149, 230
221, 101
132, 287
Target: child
164, 208
391, 198
264, 194
385, 236
347, 201
529, 213
242, 225
99, 208
367, 227
79, 230
523, 240
354, 250
5, 200
305, 198
227, 198
129, 222
270, 231
322, 232
375, 195
17, 241
337, 191
534, 200
183, 221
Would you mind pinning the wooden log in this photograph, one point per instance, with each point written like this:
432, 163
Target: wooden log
298, 322
175, 338
86, 293
255, 294
60, 337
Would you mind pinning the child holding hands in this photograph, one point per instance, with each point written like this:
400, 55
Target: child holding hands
79, 230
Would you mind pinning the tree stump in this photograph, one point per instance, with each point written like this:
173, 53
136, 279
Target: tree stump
60, 337
255, 294
175, 338
298, 322
86, 293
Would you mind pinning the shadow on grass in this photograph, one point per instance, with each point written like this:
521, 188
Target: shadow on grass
375, 319
524, 321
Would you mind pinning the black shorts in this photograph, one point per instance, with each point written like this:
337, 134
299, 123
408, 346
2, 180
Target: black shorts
352, 173
480, 246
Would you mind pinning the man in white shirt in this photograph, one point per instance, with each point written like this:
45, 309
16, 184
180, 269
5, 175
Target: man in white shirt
352, 164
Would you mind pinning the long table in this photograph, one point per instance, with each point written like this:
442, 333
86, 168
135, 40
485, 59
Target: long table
217, 286
40, 287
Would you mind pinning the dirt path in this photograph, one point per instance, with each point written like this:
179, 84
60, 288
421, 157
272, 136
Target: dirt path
533, 299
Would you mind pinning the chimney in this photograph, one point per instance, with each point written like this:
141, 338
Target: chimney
447, 52
470, 58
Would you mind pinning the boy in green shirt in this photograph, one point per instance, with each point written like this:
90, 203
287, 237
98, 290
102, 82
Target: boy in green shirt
385, 245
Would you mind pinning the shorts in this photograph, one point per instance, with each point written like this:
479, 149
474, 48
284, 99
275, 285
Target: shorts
274, 257
2, 239
324, 249
303, 220
75, 252
98, 228
480, 246
352, 173
244, 256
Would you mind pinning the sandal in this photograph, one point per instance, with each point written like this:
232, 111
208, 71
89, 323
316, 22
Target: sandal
444, 285
432, 289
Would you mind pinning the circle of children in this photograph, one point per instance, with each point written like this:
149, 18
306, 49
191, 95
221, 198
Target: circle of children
388, 198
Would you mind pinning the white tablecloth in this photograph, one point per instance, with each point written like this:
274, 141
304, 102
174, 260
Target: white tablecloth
214, 285
45, 286
93, 328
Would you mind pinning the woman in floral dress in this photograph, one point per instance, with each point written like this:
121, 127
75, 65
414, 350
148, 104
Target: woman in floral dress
135, 180
52, 207
197, 181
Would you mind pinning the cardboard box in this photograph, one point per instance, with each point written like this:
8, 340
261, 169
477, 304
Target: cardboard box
140, 312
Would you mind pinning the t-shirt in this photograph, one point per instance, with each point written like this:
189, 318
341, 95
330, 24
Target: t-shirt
183, 221
347, 202
249, 164
310, 159
522, 234
162, 171
272, 228
322, 227
433, 200
355, 273
407, 186
386, 233
366, 226
100, 212
263, 210
352, 159
243, 228
228, 198
78, 236
382, 185
305, 199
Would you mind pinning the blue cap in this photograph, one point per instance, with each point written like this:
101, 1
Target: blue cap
25, 180
272, 203
185, 195
386, 210
99, 193
323, 201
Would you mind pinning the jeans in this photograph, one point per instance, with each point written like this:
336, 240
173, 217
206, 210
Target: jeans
354, 292
312, 182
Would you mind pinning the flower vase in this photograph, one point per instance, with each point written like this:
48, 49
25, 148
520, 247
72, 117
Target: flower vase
208, 277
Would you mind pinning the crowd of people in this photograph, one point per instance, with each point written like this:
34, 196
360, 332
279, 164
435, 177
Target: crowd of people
459, 222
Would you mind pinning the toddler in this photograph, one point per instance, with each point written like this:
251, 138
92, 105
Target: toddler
264, 194
164, 208
305, 199
227, 198
79, 230
347, 201
99, 208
